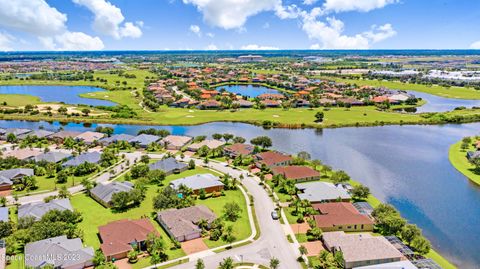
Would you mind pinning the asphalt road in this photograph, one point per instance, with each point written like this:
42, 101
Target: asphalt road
272, 242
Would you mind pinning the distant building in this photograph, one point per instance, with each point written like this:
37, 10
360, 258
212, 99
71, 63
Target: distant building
250, 58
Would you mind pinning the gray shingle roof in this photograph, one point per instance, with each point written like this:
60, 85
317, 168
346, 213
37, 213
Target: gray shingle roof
12, 173
37, 210
197, 182
167, 165
52, 157
321, 191
89, 157
104, 192
37, 133
16, 131
64, 252
4, 214
115, 138
181, 222
144, 139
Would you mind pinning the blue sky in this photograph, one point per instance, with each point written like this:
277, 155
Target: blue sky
234, 24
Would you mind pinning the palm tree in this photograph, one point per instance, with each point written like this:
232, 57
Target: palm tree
296, 204
227, 263
274, 263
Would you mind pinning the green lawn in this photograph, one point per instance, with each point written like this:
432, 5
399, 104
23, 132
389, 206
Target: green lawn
452, 92
241, 227
458, 158
48, 184
15, 100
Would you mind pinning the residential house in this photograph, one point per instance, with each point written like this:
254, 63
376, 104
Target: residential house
52, 157
238, 149
144, 140
60, 136
209, 143
38, 209
58, 252
169, 166
272, 158
10, 176
243, 103
361, 249
22, 154
210, 104
472, 155
297, 172
208, 182
15, 131
87, 157
103, 193
35, 133
115, 138
121, 236
89, 137
319, 192
341, 216
405, 264
182, 224
175, 142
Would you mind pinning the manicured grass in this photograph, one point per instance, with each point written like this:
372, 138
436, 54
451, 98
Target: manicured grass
458, 159
241, 227
452, 92
48, 184
15, 100
444, 263
301, 238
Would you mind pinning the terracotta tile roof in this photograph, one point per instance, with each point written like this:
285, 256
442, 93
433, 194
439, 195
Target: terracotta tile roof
272, 157
295, 172
240, 149
339, 214
117, 235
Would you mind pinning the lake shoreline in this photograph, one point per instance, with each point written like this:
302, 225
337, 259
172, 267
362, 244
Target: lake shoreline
461, 163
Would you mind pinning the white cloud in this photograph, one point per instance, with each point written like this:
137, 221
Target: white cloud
196, 30
211, 47
257, 47
32, 16
211, 35
231, 14
309, 2
78, 41
109, 18
330, 34
475, 45
287, 12
355, 5
6, 41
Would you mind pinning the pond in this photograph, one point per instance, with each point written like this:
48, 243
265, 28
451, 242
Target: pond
65, 94
406, 166
247, 90
442, 104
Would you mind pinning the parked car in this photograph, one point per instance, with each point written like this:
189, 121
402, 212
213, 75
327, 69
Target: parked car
275, 215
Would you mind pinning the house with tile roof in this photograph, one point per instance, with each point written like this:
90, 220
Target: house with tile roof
87, 157
208, 182
341, 216
52, 157
121, 236
297, 172
89, 137
10, 176
168, 166
175, 142
272, 158
238, 149
209, 143
144, 140
320, 192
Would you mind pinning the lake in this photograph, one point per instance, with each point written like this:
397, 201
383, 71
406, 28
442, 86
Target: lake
66, 94
442, 104
406, 166
247, 90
